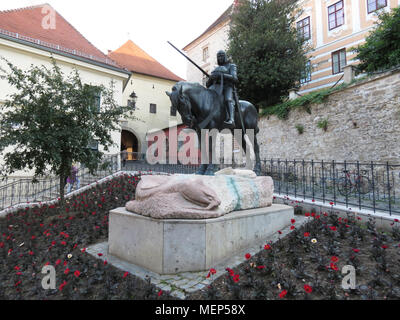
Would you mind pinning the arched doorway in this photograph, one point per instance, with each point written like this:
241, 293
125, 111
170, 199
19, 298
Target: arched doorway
130, 142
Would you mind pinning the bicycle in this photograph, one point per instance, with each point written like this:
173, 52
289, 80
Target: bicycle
352, 181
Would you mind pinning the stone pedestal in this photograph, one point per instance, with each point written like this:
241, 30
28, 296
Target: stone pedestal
175, 246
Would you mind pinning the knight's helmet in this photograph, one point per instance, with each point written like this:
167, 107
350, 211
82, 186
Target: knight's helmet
221, 57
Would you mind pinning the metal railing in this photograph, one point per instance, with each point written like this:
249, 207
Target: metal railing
363, 185
16, 191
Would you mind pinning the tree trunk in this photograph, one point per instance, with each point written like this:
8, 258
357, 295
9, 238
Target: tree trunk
62, 187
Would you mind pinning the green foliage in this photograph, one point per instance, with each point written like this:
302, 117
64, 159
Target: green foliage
300, 128
382, 47
323, 124
51, 120
264, 43
282, 110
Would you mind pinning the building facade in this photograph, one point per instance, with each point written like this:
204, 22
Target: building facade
145, 92
331, 28
28, 38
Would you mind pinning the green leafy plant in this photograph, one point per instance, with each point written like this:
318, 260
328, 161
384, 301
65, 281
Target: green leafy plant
51, 121
323, 124
264, 43
300, 128
283, 109
381, 49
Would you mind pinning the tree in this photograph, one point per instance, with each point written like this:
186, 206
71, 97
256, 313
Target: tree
381, 49
51, 120
264, 43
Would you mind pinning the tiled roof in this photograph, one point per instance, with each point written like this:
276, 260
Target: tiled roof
133, 58
27, 24
225, 16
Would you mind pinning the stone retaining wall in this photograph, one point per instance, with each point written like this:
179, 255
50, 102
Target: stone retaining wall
363, 124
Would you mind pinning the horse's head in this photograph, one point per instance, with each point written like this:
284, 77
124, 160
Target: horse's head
182, 104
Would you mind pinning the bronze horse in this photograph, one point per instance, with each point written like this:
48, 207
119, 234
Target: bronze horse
202, 108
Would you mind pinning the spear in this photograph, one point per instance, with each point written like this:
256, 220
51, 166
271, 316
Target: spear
194, 63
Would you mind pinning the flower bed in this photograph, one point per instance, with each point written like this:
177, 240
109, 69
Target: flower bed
307, 264
50, 235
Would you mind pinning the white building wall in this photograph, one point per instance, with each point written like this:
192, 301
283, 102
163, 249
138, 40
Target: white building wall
215, 40
24, 56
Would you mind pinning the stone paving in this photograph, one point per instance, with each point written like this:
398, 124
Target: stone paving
181, 284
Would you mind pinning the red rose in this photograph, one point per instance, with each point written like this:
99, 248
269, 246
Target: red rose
236, 278
125, 275
248, 256
66, 271
77, 273
213, 271
267, 247
334, 259
307, 234
334, 267
356, 250
283, 294
307, 288
292, 227
293, 221
62, 286
307, 214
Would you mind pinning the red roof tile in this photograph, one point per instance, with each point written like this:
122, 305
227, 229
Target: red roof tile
135, 59
26, 24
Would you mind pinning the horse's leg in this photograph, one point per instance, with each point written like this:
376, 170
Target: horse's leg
256, 148
211, 167
257, 167
203, 167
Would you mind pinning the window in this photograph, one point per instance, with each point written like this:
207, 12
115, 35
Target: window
94, 145
306, 74
173, 111
205, 54
374, 5
336, 15
153, 108
338, 61
97, 97
97, 101
303, 28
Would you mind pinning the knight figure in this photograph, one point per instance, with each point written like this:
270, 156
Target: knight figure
226, 73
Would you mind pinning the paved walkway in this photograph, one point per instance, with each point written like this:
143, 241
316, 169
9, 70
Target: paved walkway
180, 285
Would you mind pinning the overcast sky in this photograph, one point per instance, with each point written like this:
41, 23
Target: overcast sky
148, 23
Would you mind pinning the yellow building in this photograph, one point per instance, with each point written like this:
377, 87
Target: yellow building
331, 27
145, 92
32, 35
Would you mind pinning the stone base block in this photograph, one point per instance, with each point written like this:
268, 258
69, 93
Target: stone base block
175, 246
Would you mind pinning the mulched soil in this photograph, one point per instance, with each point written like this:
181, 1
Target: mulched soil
307, 264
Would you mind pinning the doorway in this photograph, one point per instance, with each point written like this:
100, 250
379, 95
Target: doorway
130, 142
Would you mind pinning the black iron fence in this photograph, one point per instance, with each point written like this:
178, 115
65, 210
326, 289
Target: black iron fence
362, 185
23, 190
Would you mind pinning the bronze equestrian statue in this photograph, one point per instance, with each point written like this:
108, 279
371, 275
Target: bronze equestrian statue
204, 108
